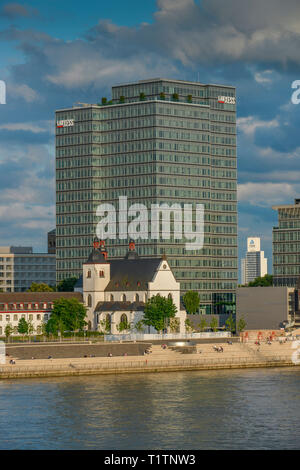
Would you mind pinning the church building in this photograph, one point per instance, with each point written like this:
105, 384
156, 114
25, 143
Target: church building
116, 290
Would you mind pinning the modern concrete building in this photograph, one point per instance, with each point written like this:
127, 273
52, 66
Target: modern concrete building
157, 141
52, 241
254, 264
265, 307
286, 245
20, 267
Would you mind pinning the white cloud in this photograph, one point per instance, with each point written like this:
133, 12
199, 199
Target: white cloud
266, 194
249, 124
23, 91
25, 126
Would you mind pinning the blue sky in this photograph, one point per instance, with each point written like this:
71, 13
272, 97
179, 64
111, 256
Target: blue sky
55, 53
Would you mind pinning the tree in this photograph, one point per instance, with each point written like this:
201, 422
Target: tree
8, 330
142, 96
241, 324
40, 287
214, 324
67, 285
162, 96
203, 324
122, 99
230, 324
191, 301
30, 328
67, 314
264, 281
174, 325
189, 98
175, 96
139, 326
104, 100
158, 311
23, 327
189, 326
123, 326
105, 326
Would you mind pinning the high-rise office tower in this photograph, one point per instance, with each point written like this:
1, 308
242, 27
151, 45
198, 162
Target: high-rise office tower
254, 264
157, 141
286, 245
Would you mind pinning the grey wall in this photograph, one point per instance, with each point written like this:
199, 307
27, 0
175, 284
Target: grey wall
195, 319
262, 307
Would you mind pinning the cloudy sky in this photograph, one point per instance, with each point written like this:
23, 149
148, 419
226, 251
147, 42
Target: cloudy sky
54, 53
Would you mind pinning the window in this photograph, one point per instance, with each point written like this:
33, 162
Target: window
137, 297
89, 300
1, 330
124, 298
124, 318
31, 317
170, 296
15, 317
89, 274
111, 298
38, 317
46, 317
101, 273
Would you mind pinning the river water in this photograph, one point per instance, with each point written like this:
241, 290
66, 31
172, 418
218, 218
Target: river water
239, 409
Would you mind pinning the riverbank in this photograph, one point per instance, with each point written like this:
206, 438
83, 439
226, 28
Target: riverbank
235, 356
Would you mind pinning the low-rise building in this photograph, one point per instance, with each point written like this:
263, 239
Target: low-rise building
20, 267
265, 307
34, 307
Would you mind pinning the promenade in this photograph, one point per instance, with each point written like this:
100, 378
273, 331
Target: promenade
205, 357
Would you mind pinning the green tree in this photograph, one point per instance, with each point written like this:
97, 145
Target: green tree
189, 326
142, 96
67, 285
104, 100
214, 324
264, 281
122, 99
158, 311
189, 98
191, 301
230, 324
174, 325
123, 326
30, 329
105, 326
203, 324
175, 96
67, 314
139, 326
241, 324
162, 96
40, 287
8, 330
23, 327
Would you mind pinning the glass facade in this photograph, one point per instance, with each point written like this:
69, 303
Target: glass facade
157, 141
286, 246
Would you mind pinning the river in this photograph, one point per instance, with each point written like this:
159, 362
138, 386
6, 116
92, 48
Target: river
238, 409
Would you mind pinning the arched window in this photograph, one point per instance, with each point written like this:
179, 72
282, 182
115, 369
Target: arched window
124, 318
137, 297
89, 325
101, 273
89, 273
170, 296
89, 300
111, 298
124, 298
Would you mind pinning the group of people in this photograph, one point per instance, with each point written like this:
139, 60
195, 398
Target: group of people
218, 349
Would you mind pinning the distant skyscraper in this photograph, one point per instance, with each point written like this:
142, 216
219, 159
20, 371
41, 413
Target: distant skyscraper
254, 264
286, 245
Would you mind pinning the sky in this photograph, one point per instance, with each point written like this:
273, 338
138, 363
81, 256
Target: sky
54, 54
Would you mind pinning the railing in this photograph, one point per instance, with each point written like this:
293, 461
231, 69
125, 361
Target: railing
143, 364
167, 336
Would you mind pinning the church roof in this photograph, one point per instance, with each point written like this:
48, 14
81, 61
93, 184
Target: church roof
117, 306
96, 257
132, 274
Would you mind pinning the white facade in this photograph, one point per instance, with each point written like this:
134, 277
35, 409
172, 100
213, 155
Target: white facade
254, 264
